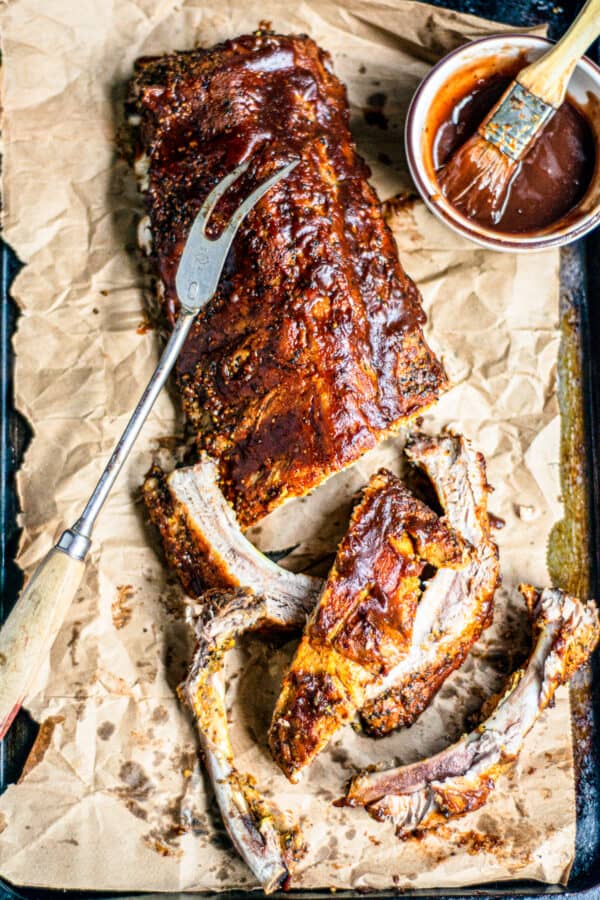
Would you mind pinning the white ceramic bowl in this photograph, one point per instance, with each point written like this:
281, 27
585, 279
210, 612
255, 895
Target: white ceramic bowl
584, 88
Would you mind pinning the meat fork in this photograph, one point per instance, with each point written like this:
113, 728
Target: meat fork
35, 620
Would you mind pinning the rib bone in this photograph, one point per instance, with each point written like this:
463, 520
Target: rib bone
268, 847
460, 778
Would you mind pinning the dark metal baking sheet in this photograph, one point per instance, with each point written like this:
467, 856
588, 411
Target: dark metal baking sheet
580, 287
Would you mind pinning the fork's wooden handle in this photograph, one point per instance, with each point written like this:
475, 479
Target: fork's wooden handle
548, 77
30, 630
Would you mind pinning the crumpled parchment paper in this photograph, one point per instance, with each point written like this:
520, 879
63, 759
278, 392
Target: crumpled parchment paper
101, 802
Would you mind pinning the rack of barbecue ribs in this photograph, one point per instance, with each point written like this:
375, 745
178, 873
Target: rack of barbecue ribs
377, 642
312, 349
460, 779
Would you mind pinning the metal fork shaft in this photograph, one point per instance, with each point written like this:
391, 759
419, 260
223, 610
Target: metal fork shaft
197, 280
76, 540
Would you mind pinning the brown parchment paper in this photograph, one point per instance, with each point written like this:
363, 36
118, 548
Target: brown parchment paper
113, 797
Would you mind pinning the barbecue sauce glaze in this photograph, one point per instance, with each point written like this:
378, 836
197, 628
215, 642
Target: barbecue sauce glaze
552, 177
311, 349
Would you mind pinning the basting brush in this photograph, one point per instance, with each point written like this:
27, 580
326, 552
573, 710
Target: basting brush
478, 176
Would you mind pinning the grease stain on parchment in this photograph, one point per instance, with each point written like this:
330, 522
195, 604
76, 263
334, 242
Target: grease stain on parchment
73, 641
41, 745
476, 842
373, 112
159, 715
105, 731
140, 794
136, 788
164, 838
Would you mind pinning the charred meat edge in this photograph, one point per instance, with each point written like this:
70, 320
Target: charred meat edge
206, 547
257, 828
456, 605
460, 779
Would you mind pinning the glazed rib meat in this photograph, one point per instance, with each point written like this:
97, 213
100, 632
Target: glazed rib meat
461, 778
457, 604
266, 843
312, 349
363, 623
205, 546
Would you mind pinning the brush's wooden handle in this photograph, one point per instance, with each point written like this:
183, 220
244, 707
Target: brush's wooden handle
30, 630
548, 77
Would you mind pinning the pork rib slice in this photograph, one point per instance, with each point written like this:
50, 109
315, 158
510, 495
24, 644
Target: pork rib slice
363, 622
205, 545
268, 846
457, 604
460, 778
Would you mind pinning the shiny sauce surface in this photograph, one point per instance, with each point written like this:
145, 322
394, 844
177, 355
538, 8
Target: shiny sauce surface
552, 177
311, 348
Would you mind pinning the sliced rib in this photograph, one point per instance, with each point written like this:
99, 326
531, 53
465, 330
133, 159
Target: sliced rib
364, 620
256, 827
312, 349
460, 779
204, 543
457, 604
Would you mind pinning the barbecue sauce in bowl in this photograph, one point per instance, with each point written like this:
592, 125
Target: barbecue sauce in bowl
550, 180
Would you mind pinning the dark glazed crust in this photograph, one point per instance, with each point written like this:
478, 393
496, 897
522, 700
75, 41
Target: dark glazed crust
312, 349
368, 605
318, 703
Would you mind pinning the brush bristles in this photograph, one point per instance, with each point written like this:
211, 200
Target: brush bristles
477, 178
